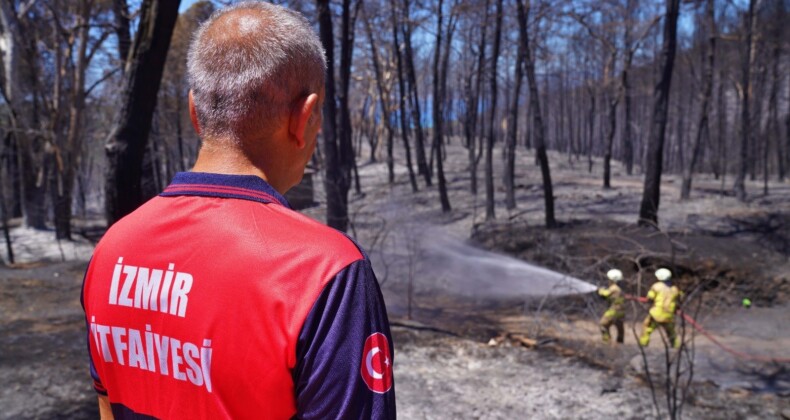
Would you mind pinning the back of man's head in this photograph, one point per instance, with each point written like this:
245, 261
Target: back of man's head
247, 64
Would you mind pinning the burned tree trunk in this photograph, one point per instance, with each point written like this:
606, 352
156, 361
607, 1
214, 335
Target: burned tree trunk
779, 15
490, 213
745, 137
416, 115
470, 125
628, 143
347, 157
439, 78
67, 156
721, 121
787, 134
15, 48
539, 130
613, 99
590, 127
384, 100
4, 208
336, 182
707, 90
121, 14
512, 125
129, 136
404, 122
648, 211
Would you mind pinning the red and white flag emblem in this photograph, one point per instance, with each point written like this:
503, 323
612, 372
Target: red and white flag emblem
376, 366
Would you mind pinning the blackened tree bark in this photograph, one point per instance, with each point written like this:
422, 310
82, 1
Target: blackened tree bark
628, 57
383, 99
648, 211
414, 105
721, 122
707, 90
538, 130
490, 212
347, 156
121, 14
512, 123
129, 136
404, 121
439, 83
776, 30
590, 125
787, 133
473, 99
17, 49
67, 153
334, 181
745, 137
4, 208
613, 98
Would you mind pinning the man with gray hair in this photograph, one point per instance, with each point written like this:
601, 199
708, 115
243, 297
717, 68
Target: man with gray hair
215, 299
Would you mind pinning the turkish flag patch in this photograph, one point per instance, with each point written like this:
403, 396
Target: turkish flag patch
376, 366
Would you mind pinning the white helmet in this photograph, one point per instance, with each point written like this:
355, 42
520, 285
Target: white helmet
663, 274
614, 275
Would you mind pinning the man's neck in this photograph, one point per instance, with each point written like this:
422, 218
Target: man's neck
229, 160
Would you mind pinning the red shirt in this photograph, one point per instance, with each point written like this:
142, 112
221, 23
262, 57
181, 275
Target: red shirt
216, 300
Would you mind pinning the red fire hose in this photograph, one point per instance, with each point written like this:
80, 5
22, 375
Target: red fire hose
703, 331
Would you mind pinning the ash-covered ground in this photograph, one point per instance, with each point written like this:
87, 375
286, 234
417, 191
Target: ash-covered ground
446, 363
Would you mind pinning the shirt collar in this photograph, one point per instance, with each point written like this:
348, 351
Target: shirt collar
245, 187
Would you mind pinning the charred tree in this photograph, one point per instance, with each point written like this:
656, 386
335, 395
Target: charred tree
129, 136
67, 152
512, 122
745, 134
707, 90
384, 100
347, 156
19, 50
404, 119
776, 29
590, 126
648, 211
613, 98
338, 177
416, 115
490, 213
628, 58
473, 100
439, 83
122, 23
539, 130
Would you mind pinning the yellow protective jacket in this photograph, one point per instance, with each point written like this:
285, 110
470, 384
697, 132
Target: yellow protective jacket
665, 301
614, 295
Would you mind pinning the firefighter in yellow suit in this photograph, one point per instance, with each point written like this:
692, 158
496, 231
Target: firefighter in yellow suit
615, 314
665, 299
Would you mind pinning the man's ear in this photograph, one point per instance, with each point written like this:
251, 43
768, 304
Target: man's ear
193, 113
301, 114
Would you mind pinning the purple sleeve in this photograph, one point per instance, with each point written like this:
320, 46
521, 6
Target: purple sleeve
345, 353
97, 385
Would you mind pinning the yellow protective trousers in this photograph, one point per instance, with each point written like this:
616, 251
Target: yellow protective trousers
608, 319
651, 324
